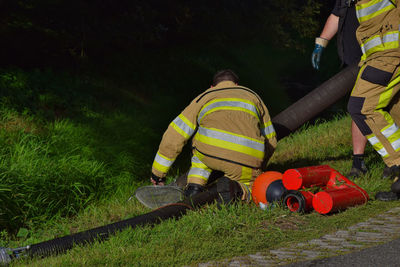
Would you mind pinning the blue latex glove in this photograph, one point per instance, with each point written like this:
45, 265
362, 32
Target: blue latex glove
316, 56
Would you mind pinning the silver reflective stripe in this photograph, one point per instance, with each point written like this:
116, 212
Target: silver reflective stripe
163, 161
244, 105
195, 159
200, 172
232, 138
382, 152
371, 44
268, 130
366, 11
390, 130
183, 126
392, 37
373, 140
396, 144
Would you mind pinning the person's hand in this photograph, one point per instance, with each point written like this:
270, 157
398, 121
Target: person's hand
320, 44
155, 180
316, 56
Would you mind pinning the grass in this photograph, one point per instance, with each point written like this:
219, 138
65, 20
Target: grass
210, 233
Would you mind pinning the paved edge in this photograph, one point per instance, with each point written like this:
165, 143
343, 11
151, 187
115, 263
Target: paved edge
376, 230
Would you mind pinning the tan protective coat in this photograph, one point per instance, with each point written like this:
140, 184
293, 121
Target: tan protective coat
232, 121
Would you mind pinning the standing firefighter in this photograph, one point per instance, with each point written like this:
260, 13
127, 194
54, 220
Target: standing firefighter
378, 82
232, 133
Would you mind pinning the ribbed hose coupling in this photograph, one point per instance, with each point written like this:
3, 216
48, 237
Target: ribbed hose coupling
5, 257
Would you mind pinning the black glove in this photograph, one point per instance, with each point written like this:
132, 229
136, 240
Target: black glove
157, 179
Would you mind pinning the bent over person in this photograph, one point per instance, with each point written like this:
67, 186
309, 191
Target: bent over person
372, 101
232, 133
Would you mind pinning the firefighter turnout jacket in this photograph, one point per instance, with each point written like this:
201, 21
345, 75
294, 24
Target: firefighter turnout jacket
228, 123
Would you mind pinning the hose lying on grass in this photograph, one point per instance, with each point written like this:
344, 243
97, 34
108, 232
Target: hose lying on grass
62, 244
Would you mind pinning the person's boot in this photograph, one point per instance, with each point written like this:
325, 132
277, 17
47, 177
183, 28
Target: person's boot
389, 172
228, 191
387, 196
358, 168
193, 189
395, 193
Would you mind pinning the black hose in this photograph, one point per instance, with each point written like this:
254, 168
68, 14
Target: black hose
315, 102
176, 210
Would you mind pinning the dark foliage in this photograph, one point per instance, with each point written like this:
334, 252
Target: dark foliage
69, 33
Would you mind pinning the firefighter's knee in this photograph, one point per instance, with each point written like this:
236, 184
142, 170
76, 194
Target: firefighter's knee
354, 107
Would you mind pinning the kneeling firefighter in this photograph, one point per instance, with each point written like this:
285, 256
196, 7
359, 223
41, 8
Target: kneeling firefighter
232, 134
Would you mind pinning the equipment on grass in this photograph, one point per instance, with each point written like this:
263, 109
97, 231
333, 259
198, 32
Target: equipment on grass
155, 196
321, 188
267, 188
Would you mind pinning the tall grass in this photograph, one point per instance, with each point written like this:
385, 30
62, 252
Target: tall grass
60, 149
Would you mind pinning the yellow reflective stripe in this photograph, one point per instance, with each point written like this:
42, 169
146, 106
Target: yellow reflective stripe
394, 140
247, 175
183, 126
372, 9
234, 134
179, 130
377, 43
229, 146
377, 145
386, 115
198, 155
269, 136
198, 176
162, 163
187, 121
231, 108
238, 104
268, 130
159, 167
198, 165
386, 96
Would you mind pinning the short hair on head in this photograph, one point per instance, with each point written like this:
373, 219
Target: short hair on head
225, 75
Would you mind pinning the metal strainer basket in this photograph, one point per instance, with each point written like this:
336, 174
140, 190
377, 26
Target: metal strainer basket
155, 196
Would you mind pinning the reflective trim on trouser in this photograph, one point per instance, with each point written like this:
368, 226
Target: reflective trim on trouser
199, 172
376, 111
377, 145
244, 175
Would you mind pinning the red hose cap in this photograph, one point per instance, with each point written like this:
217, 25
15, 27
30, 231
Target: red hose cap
322, 202
292, 179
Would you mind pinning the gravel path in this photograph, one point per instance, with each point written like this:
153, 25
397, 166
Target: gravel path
374, 231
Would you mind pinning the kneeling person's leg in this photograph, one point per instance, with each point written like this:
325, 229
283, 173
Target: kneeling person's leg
197, 177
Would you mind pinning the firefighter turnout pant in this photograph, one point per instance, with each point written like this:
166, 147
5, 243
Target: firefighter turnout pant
374, 106
203, 165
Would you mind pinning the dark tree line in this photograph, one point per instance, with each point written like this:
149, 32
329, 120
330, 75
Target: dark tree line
61, 32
